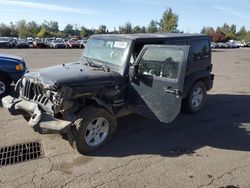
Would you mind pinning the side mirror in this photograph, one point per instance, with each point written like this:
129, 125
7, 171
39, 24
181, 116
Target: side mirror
133, 71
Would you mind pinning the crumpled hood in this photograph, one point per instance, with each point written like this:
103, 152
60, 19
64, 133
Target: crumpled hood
74, 75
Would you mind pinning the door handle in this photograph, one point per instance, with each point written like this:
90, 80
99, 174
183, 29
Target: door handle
173, 91
169, 91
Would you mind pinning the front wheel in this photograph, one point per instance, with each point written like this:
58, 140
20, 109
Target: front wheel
196, 98
4, 86
94, 128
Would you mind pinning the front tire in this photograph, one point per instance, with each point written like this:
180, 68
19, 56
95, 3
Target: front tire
196, 98
4, 86
94, 128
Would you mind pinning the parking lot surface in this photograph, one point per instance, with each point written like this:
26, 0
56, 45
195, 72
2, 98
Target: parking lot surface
208, 149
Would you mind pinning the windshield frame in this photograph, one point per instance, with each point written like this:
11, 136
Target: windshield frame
116, 67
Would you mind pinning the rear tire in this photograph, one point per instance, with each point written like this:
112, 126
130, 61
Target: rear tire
196, 98
4, 86
94, 128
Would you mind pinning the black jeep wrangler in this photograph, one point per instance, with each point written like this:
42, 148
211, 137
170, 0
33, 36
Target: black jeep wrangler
149, 74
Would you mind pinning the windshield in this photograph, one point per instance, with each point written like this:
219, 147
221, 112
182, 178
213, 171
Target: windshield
107, 50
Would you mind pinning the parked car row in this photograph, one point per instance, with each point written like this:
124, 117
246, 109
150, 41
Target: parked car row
229, 44
9, 42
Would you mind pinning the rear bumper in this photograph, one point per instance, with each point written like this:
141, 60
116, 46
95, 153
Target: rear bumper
38, 118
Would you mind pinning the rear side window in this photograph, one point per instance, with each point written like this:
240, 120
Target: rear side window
200, 50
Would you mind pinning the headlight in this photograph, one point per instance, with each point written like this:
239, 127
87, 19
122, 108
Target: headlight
19, 67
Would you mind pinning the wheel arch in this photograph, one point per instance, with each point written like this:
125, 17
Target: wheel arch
203, 76
96, 101
6, 75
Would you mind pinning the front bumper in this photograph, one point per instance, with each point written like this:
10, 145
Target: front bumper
17, 106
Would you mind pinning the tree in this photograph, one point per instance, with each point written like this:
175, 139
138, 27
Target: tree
143, 29
4, 30
219, 36
85, 32
33, 28
42, 33
152, 27
14, 32
45, 25
102, 29
127, 28
137, 29
22, 29
53, 26
232, 29
225, 28
247, 38
115, 31
169, 21
203, 30
76, 30
207, 30
230, 36
242, 34
69, 29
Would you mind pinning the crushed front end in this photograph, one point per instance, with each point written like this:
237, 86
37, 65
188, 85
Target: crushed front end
40, 106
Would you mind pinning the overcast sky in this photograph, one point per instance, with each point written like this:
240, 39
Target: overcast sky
193, 14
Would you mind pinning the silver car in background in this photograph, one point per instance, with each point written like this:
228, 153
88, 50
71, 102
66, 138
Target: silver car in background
57, 44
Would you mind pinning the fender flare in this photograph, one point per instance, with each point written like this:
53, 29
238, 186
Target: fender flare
103, 104
205, 76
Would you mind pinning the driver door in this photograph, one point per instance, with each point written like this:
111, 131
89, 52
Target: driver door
157, 85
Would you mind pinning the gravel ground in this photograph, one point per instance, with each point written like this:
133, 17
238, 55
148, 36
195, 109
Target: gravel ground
208, 149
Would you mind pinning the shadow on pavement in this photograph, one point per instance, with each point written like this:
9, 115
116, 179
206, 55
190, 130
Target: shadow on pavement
223, 123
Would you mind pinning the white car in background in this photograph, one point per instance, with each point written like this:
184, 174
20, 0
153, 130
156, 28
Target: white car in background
57, 44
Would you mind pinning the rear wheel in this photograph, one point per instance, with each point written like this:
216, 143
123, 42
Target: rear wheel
4, 86
196, 98
94, 128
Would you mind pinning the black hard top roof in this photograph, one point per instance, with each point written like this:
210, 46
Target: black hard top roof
150, 35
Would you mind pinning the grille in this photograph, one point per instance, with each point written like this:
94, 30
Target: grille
10, 155
33, 91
